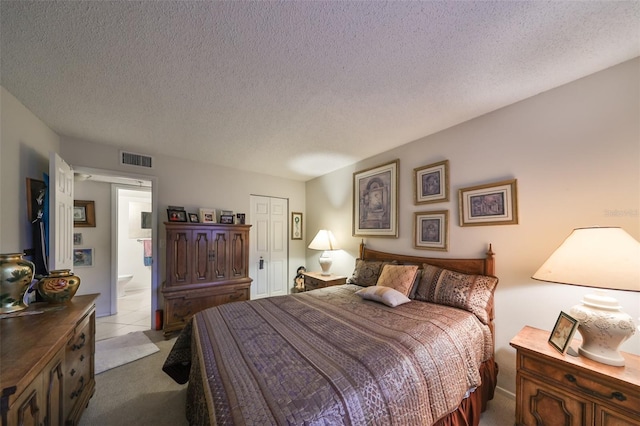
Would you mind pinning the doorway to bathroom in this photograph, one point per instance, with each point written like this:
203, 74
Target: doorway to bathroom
134, 257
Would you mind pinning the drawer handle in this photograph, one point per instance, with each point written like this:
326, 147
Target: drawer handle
234, 296
77, 392
614, 395
83, 339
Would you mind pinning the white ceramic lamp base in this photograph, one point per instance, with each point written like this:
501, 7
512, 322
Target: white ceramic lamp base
325, 263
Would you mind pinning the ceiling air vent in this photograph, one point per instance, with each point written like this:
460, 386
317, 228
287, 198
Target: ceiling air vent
133, 159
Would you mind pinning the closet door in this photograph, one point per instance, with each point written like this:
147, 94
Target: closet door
269, 252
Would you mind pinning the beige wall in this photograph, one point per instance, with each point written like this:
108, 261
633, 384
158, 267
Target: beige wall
575, 152
24, 153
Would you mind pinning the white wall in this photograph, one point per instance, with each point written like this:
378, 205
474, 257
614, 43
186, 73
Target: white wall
193, 185
575, 152
24, 153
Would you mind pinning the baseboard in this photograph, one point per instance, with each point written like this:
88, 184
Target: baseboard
505, 393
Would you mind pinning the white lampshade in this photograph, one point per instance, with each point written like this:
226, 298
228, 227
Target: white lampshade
605, 258
324, 240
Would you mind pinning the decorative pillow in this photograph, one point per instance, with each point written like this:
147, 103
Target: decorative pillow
366, 272
386, 295
398, 277
469, 292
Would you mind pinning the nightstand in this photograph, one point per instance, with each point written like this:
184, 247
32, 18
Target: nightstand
557, 389
314, 280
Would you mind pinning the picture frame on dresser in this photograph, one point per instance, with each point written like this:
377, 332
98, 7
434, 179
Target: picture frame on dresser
176, 215
563, 332
207, 215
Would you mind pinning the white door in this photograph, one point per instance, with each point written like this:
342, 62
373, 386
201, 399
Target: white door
60, 213
268, 257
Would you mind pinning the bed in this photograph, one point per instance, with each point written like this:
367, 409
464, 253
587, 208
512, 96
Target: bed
408, 340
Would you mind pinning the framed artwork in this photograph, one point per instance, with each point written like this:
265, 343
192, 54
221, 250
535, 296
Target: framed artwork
431, 230
296, 225
227, 219
176, 215
83, 257
77, 239
375, 201
431, 183
36, 191
193, 218
491, 204
563, 332
84, 213
207, 215
146, 220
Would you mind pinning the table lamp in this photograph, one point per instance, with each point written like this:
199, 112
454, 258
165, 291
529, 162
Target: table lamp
604, 258
324, 240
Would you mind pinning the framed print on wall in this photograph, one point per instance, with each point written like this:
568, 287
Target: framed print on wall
375, 201
431, 183
36, 190
431, 230
84, 213
83, 257
491, 204
296, 225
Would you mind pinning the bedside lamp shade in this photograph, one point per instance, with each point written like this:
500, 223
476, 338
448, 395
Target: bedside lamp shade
604, 258
325, 241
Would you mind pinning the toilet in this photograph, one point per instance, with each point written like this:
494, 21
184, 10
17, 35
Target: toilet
123, 280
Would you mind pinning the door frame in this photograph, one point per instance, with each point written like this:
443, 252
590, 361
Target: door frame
155, 277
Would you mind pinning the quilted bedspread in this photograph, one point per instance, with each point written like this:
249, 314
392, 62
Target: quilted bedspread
328, 357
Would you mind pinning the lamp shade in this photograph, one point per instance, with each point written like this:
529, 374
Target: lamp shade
605, 258
324, 240
595, 257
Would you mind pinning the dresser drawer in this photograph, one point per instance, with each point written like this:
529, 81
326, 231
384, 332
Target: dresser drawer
571, 379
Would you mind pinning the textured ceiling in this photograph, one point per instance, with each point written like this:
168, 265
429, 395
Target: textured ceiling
294, 89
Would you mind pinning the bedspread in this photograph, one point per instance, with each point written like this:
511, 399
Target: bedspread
328, 357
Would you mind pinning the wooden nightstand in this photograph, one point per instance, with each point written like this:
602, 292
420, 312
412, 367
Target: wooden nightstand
314, 280
557, 389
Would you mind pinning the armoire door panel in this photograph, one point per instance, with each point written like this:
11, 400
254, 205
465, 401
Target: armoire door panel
220, 255
201, 251
179, 252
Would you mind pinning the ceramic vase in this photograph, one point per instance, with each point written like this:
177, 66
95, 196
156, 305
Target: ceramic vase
16, 275
59, 286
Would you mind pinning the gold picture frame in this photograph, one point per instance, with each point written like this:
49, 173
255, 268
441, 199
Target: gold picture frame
375, 201
296, 226
563, 332
431, 230
490, 204
84, 213
431, 183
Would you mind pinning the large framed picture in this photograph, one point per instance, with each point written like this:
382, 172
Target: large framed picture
83, 257
491, 204
84, 213
431, 230
375, 201
296, 225
563, 332
431, 183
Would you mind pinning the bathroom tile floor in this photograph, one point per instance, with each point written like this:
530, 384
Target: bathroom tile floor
134, 314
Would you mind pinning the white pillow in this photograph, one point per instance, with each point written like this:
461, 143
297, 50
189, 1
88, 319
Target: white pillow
387, 295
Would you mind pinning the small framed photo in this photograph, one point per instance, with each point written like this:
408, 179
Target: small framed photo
77, 239
226, 219
375, 202
176, 215
491, 204
83, 257
431, 183
84, 213
241, 218
193, 218
563, 332
296, 225
431, 230
207, 215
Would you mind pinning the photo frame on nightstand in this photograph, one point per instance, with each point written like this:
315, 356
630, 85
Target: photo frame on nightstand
563, 332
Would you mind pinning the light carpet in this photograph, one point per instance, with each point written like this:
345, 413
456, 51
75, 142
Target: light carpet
117, 351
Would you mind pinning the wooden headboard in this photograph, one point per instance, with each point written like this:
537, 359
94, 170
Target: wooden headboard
481, 266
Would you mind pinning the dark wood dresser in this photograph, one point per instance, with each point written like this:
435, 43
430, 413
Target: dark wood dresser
207, 265
557, 389
47, 363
